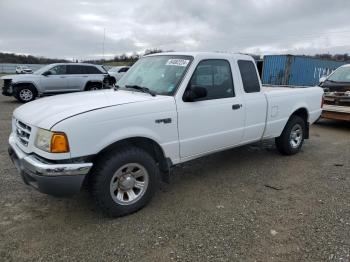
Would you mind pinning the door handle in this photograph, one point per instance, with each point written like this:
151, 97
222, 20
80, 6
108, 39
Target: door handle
236, 106
62, 77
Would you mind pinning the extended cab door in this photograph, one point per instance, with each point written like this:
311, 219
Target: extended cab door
215, 121
255, 101
56, 81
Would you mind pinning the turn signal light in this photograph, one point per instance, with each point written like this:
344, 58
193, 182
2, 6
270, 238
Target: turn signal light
59, 143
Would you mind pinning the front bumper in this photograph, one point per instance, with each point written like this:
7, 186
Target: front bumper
49, 178
7, 90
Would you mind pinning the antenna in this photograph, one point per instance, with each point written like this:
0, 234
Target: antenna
103, 44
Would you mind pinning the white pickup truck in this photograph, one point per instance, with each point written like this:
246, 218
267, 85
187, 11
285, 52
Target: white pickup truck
169, 108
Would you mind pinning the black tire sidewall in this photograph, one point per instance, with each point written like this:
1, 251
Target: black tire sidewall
102, 175
92, 85
283, 142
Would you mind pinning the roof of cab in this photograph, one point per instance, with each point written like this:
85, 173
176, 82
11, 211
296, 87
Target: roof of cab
205, 55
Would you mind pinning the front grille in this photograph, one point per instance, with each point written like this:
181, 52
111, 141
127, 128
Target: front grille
23, 132
6, 89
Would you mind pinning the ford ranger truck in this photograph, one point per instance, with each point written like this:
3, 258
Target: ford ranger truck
168, 108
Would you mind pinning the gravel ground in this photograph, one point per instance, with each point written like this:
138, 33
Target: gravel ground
245, 204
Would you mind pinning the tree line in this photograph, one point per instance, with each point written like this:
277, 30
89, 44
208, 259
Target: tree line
27, 59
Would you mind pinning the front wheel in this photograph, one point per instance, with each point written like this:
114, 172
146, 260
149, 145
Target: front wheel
25, 94
292, 137
124, 181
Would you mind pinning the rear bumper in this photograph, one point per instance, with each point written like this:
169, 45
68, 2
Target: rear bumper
49, 178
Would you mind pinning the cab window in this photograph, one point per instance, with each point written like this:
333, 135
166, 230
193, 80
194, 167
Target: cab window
58, 70
92, 70
76, 70
216, 77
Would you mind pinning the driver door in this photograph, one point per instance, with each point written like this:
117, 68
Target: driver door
56, 81
216, 121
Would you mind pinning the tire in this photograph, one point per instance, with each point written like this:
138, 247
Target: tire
25, 94
117, 174
93, 86
292, 137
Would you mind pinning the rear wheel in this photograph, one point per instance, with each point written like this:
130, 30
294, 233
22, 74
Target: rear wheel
93, 86
25, 94
124, 181
292, 137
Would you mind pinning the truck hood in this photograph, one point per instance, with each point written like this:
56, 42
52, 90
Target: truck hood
21, 77
46, 112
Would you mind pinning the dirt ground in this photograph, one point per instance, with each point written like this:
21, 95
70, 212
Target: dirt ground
245, 204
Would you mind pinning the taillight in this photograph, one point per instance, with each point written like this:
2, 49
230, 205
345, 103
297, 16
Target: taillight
322, 101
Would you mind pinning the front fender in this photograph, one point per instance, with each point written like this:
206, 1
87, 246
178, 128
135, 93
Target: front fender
22, 82
91, 132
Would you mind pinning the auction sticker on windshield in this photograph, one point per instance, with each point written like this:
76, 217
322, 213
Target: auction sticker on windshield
177, 62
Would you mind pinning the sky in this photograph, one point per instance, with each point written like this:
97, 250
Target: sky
75, 29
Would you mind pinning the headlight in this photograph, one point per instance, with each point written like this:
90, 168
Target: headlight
52, 142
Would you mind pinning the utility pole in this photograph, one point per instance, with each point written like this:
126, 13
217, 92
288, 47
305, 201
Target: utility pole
103, 44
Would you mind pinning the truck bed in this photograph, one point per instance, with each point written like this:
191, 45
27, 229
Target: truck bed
282, 100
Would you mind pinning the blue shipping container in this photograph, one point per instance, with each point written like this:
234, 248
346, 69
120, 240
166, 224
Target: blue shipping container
296, 70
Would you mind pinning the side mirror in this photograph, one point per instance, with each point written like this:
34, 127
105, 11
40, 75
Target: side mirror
323, 79
194, 92
47, 73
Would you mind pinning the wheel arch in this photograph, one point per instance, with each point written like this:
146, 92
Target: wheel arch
20, 84
304, 114
147, 144
301, 112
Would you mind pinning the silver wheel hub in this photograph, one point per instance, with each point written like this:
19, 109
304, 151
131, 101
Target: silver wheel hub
26, 94
296, 136
129, 183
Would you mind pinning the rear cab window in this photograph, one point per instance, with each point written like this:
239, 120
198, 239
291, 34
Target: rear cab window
249, 75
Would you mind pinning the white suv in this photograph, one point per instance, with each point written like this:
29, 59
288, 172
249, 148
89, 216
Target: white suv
54, 79
23, 70
117, 72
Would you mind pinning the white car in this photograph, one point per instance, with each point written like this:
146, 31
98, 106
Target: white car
54, 79
169, 108
23, 70
117, 72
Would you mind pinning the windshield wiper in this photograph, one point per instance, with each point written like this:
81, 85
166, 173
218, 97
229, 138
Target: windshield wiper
142, 89
116, 87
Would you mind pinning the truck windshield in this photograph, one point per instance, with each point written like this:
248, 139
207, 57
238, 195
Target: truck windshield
161, 74
342, 74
